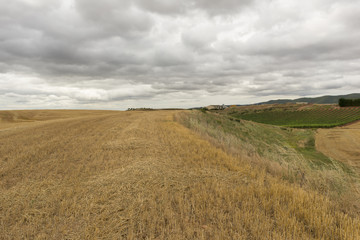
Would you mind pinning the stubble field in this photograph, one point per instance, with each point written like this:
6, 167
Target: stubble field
341, 143
142, 175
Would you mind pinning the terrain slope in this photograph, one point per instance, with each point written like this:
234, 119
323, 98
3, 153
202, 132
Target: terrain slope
341, 143
141, 175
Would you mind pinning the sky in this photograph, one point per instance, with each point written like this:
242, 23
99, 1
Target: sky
117, 54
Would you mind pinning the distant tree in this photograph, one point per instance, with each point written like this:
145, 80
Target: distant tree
342, 102
357, 102
349, 102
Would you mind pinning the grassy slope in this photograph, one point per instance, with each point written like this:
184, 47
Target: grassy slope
140, 175
289, 153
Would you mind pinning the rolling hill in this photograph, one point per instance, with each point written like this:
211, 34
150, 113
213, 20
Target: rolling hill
317, 100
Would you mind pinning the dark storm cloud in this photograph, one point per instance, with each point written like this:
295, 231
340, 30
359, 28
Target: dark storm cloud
75, 52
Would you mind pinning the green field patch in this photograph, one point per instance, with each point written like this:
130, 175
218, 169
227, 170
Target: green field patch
319, 117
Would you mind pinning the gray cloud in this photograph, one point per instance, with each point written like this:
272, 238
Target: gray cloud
224, 7
88, 53
163, 7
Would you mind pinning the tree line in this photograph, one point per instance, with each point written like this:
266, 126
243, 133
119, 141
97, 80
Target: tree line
349, 102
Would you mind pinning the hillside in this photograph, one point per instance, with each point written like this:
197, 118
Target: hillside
284, 152
296, 115
316, 100
143, 175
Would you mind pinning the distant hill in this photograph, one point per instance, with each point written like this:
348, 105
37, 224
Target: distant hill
316, 100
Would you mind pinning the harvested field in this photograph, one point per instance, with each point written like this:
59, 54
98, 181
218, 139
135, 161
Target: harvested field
141, 175
341, 143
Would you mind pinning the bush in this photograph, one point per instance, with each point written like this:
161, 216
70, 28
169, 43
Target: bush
204, 110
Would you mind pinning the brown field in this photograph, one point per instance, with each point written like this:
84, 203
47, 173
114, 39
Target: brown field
341, 143
23, 118
142, 175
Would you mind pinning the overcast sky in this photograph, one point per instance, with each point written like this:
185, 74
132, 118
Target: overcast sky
115, 54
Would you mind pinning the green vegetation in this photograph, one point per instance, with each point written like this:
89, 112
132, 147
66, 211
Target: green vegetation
286, 152
318, 117
349, 102
204, 110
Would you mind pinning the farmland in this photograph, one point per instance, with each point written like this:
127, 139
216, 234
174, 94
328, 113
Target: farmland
341, 143
323, 116
287, 152
167, 175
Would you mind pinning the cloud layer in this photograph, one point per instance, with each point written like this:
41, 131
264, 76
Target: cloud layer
164, 53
